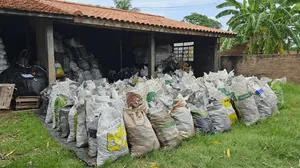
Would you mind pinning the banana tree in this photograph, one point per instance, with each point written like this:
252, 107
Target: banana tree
125, 5
264, 25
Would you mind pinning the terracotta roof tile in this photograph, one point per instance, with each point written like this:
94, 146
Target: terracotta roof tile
75, 9
30, 5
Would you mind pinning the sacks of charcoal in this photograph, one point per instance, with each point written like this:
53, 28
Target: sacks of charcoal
75, 61
3, 61
138, 115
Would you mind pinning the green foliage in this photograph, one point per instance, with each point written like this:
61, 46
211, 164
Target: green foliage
266, 26
125, 5
198, 19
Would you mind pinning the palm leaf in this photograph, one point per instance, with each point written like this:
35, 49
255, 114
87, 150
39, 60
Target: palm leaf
297, 7
272, 5
264, 5
224, 45
274, 28
230, 3
246, 33
223, 5
285, 12
227, 44
253, 21
227, 12
245, 4
251, 4
238, 28
259, 21
284, 2
123, 4
231, 19
237, 18
235, 3
256, 4
296, 19
294, 37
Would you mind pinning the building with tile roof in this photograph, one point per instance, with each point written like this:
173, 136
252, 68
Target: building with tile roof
79, 12
116, 33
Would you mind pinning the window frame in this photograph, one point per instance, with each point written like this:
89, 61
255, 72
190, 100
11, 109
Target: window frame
184, 51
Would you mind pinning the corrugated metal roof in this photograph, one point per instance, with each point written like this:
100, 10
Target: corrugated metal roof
75, 9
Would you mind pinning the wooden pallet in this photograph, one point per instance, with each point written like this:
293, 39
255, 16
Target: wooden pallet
27, 102
6, 93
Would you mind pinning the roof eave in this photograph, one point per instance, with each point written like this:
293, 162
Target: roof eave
85, 20
142, 27
35, 14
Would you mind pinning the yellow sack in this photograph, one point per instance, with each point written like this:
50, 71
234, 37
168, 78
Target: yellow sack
111, 136
230, 111
59, 70
115, 139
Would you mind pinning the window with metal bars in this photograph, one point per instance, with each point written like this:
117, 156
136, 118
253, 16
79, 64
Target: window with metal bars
184, 51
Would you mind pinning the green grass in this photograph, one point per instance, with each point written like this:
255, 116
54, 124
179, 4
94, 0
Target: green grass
274, 142
24, 134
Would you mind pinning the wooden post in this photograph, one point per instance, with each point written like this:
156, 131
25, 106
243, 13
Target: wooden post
121, 52
50, 52
151, 59
40, 44
216, 57
198, 58
45, 47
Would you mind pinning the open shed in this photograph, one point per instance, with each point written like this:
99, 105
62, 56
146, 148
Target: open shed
110, 34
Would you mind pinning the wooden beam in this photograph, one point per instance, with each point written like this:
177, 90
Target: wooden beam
50, 52
45, 47
40, 31
216, 57
121, 51
141, 27
151, 59
35, 14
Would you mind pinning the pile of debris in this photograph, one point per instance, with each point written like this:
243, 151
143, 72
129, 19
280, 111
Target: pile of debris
73, 60
162, 52
28, 80
138, 115
3, 61
76, 63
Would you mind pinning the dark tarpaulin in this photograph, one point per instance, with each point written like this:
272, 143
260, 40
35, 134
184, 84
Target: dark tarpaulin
82, 153
25, 86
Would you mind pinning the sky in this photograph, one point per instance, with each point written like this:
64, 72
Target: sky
172, 9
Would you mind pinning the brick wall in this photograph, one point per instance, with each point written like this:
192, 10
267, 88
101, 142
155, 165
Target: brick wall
274, 66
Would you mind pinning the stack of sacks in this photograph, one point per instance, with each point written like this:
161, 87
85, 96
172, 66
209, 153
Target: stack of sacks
162, 122
236, 89
162, 52
260, 97
3, 62
126, 73
253, 98
141, 135
158, 113
77, 63
183, 118
64, 89
91, 118
217, 111
83, 65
